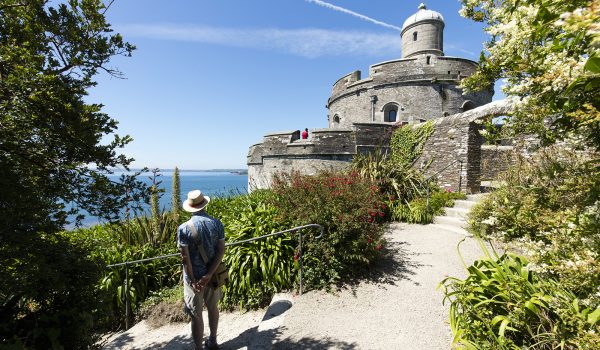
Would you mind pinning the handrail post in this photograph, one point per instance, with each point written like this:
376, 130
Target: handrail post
427, 189
300, 258
126, 296
460, 176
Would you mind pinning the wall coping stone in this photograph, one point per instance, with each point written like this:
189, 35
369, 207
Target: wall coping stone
453, 58
498, 147
393, 61
277, 133
359, 82
301, 144
330, 130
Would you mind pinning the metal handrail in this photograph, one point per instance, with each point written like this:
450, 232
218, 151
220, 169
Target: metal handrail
294, 229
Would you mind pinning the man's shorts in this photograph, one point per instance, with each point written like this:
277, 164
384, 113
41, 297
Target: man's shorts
194, 301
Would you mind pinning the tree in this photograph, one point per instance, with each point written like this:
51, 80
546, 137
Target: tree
55, 153
548, 53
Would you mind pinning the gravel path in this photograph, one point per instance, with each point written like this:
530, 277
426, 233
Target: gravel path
398, 308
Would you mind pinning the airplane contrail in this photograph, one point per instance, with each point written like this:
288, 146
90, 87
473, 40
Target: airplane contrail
352, 13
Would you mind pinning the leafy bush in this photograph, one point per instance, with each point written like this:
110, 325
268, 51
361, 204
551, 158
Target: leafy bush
398, 181
118, 243
417, 212
502, 304
48, 297
351, 210
142, 278
550, 209
259, 269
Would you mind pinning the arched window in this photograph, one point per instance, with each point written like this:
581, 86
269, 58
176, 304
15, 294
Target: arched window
336, 119
392, 115
415, 36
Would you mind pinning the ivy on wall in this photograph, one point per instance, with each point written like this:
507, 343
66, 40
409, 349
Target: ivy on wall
407, 143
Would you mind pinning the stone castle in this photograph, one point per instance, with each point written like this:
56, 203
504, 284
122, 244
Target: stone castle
420, 86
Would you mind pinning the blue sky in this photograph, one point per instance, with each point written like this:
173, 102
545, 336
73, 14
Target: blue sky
210, 77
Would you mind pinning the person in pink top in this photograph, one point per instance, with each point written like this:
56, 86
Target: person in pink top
305, 134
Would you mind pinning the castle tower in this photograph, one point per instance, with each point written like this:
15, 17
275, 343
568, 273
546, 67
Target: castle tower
423, 33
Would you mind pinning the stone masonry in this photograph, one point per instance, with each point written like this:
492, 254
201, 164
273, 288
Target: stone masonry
422, 85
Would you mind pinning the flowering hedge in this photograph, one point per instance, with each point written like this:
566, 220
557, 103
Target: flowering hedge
550, 209
351, 209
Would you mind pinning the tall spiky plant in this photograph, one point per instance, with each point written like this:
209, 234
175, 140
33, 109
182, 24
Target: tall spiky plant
176, 195
155, 211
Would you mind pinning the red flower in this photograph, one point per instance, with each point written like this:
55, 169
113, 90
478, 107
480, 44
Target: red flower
369, 241
381, 214
296, 257
373, 214
378, 247
370, 219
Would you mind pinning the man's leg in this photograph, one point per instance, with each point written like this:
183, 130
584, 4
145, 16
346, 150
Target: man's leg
193, 303
212, 297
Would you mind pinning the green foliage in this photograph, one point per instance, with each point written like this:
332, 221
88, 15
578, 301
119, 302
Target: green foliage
503, 305
398, 181
142, 278
417, 211
549, 208
406, 145
49, 134
55, 153
547, 52
350, 208
48, 297
155, 197
176, 195
147, 230
257, 270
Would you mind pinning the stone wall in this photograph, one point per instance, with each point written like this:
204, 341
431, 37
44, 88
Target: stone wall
430, 38
454, 149
452, 153
419, 90
326, 149
495, 160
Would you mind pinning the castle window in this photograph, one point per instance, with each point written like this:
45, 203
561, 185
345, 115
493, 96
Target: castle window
336, 119
428, 59
415, 36
390, 112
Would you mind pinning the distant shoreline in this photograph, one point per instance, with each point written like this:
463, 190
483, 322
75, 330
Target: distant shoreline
232, 171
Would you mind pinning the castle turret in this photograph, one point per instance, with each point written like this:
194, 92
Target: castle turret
423, 33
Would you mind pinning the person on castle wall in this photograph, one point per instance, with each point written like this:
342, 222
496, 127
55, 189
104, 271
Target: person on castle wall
305, 134
197, 274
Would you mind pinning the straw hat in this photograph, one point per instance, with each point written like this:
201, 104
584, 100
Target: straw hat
195, 201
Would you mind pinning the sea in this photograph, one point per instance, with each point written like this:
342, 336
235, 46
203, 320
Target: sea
211, 183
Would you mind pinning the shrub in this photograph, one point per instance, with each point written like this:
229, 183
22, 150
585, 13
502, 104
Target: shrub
351, 210
48, 297
417, 211
550, 209
117, 243
259, 269
502, 304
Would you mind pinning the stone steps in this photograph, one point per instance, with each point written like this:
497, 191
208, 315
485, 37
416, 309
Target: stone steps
455, 218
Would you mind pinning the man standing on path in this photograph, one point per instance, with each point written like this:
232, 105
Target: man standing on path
201, 232
305, 134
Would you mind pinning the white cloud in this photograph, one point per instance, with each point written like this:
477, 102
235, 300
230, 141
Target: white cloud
306, 42
355, 14
453, 47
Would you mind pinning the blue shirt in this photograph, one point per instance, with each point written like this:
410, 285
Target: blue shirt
210, 231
